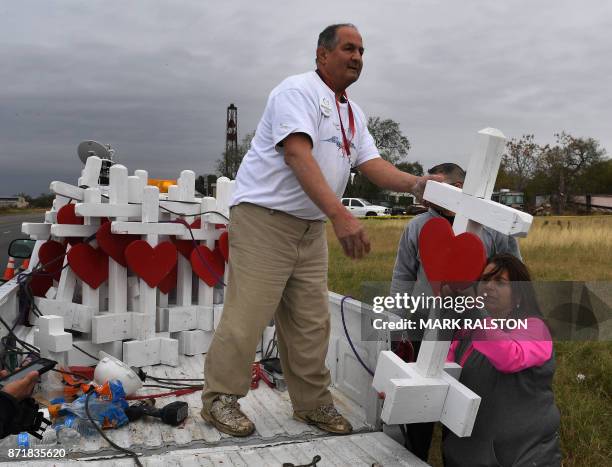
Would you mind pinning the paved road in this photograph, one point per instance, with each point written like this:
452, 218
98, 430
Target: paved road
10, 228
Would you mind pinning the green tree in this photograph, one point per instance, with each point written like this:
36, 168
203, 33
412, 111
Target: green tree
567, 163
230, 169
415, 168
597, 179
393, 146
204, 184
390, 141
519, 162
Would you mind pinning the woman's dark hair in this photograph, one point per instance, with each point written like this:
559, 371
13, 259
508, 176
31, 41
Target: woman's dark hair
520, 281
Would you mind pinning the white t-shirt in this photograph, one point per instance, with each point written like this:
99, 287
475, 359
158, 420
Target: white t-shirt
301, 104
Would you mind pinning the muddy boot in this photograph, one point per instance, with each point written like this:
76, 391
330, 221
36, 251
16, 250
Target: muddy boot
225, 415
327, 418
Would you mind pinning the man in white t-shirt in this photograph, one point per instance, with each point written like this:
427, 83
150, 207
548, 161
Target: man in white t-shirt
308, 139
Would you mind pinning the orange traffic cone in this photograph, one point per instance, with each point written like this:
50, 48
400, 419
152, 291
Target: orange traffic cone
9, 272
25, 264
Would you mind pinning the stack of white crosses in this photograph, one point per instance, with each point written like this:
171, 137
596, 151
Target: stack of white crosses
118, 301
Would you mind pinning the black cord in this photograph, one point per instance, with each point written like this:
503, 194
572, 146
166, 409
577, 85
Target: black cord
86, 353
174, 388
348, 337
176, 383
271, 347
193, 215
27, 346
404, 434
112, 443
197, 250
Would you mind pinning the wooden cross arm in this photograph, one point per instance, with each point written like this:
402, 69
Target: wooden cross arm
504, 219
38, 230
214, 219
67, 190
444, 195
183, 209
146, 228
108, 210
71, 230
170, 228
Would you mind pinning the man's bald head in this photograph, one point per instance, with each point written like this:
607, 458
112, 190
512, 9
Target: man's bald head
329, 36
453, 174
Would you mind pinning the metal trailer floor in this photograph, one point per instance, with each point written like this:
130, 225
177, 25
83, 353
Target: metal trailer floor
278, 437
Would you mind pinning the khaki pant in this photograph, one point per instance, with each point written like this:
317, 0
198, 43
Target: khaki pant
277, 269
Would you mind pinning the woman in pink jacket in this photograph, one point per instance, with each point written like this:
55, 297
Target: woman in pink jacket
512, 371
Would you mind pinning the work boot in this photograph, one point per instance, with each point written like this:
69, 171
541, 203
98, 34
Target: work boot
226, 416
325, 417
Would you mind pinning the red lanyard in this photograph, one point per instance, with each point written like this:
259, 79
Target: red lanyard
345, 141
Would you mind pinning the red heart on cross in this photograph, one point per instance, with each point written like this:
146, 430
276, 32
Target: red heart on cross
208, 265
224, 245
113, 245
446, 258
151, 264
40, 283
185, 247
89, 264
66, 215
169, 282
51, 257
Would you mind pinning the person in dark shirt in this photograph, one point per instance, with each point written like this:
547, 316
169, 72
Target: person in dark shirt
10, 396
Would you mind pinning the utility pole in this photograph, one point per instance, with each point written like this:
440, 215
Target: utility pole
231, 140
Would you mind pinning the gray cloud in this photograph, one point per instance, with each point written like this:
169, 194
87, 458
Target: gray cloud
153, 78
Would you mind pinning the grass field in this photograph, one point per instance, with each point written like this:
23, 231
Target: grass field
557, 248
4, 211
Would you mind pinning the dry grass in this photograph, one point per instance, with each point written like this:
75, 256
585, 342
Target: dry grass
5, 211
557, 248
569, 248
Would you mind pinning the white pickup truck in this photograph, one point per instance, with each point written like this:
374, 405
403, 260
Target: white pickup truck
359, 207
279, 439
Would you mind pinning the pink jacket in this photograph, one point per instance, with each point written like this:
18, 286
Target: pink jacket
509, 351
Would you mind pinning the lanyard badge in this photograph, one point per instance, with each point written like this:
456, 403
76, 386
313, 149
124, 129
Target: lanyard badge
345, 141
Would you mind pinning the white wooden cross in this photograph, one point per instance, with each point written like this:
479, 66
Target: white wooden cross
130, 198
428, 390
191, 324
115, 323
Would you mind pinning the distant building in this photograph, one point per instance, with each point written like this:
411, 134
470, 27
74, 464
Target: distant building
13, 202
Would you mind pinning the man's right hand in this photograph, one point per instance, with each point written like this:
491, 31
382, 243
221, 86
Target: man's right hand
22, 388
351, 234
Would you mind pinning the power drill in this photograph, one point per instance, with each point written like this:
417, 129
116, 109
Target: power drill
172, 414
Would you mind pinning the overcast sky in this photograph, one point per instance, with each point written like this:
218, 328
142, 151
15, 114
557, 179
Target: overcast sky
154, 78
